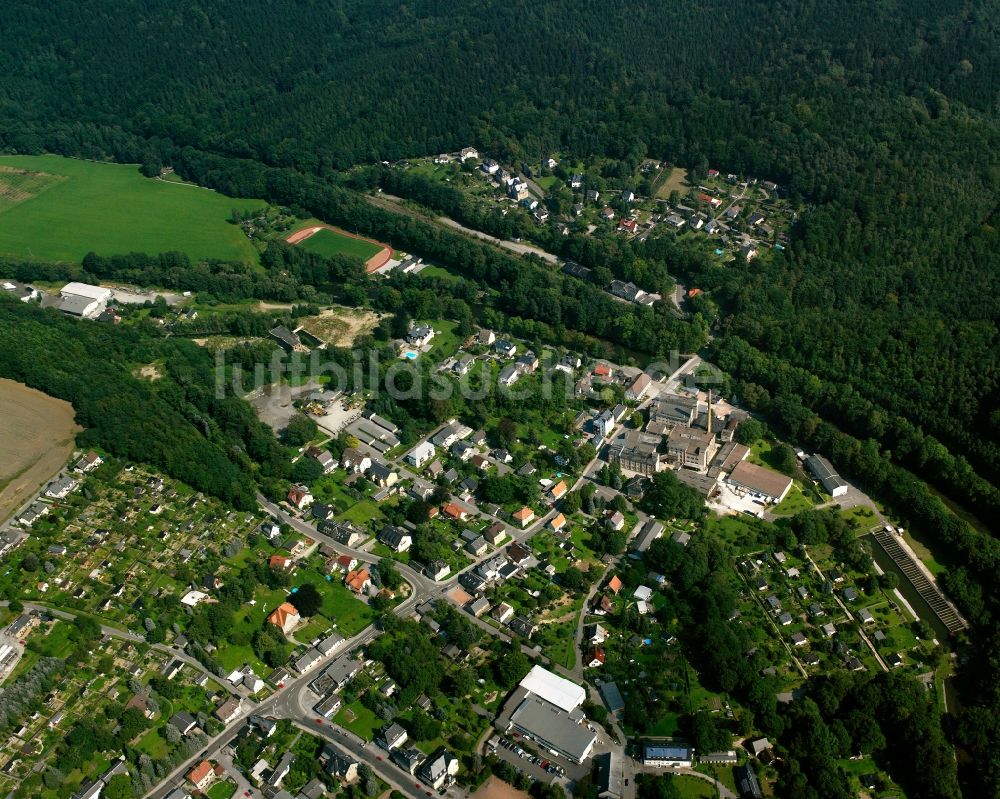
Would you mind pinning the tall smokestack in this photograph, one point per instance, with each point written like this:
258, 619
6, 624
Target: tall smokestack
709, 422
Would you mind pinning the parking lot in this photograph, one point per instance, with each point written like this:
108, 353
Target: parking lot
729, 499
537, 767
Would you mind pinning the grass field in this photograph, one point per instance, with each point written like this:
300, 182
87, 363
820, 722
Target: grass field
674, 180
36, 437
329, 243
59, 209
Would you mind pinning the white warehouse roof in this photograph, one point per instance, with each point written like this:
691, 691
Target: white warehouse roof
553, 689
85, 290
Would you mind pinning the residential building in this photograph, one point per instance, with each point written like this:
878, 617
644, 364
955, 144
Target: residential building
391, 736
419, 335
408, 758
509, 375
420, 454
359, 580
477, 607
502, 613
438, 768
323, 458
396, 538
639, 387
299, 497
382, 475
524, 516
229, 710
202, 776
355, 461
285, 617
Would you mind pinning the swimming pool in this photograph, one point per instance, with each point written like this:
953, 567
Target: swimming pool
410, 355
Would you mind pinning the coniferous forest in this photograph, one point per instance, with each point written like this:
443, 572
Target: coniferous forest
872, 337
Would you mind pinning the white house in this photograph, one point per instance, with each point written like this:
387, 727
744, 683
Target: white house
420, 454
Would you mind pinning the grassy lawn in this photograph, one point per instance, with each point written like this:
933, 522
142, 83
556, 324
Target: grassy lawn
674, 180
341, 606
445, 342
558, 643
547, 182
433, 270
795, 502
359, 720
232, 657
329, 243
111, 209
221, 790
360, 513
153, 744
689, 787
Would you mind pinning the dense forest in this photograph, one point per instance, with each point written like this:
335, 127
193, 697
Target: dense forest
873, 337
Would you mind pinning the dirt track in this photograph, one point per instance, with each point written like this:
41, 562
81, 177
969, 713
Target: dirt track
37, 435
495, 788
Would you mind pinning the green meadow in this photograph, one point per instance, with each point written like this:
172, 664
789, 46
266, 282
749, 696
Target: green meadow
59, 209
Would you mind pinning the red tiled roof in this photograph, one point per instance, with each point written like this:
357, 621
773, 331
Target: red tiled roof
199, 772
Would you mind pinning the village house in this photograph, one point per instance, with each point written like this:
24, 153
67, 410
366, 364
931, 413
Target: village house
299, 497
420, 454
524, 516
359, 581
202, 776
323, 458
285, 617
396, 538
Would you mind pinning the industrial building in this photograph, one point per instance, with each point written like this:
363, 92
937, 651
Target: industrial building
84, 300
546, 708
769, 485
823, 471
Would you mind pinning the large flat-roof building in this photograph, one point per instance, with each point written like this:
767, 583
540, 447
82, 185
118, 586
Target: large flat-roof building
673, 410
84, 300
546, 708
690, 447
637, 452
823, 471
555, 690
565, 733
765, 483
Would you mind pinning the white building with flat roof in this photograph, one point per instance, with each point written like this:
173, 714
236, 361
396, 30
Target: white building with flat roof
554, 689
84, 300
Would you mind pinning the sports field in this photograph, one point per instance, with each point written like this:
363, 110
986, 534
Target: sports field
59, 209
329, 241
